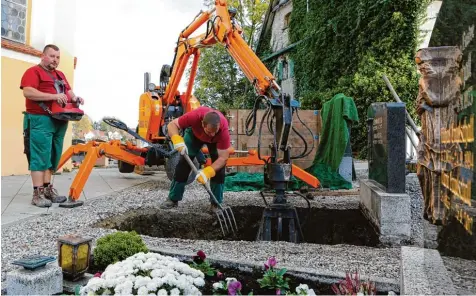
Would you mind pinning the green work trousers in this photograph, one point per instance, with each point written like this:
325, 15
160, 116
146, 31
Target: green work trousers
182, 171
43, 138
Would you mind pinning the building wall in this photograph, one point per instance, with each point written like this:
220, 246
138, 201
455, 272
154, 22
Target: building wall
280, 31
280, 40
41, 29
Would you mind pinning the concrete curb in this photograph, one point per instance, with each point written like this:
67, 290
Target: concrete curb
423, 272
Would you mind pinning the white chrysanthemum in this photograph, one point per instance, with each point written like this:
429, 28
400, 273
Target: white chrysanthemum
199, 282
217, 286
95, 284
164, 271
162, 292
142, 281
302, 288
175, 291
142, 291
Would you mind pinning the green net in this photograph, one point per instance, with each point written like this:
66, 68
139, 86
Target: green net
243, 181
336, 114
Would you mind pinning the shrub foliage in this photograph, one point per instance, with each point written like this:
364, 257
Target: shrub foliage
116, 247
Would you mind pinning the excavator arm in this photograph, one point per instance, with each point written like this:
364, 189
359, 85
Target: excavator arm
221, 29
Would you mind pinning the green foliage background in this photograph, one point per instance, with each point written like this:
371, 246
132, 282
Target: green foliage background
346, 47
219, 82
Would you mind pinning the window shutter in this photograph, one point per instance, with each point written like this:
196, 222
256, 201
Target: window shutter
280, 70
291, 68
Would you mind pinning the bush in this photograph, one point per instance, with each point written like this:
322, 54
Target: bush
116, 247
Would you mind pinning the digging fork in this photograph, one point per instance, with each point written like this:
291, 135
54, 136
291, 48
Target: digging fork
224, 214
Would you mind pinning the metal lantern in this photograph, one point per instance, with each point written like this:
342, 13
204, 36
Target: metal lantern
74, 252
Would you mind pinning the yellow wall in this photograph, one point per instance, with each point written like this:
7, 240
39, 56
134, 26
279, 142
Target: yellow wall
14, 162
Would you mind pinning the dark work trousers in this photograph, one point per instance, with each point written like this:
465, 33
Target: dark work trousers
182, 171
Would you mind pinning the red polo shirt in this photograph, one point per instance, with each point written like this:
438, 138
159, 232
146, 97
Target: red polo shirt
194, 119
37, 78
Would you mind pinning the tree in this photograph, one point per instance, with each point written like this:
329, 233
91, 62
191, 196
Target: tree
219, 82
82, 126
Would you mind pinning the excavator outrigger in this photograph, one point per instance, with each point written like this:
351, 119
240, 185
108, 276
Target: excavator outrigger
159, 105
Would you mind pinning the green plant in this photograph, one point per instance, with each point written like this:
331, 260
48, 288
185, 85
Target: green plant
346, 46
200, 263
116, 247
273, 278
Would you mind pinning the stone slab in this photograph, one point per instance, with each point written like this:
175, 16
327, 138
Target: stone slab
386, 123
422, 272
43, 281
389, 212
70, 286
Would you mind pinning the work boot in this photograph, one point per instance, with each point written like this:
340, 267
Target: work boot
39, 200
52, 194
168, 204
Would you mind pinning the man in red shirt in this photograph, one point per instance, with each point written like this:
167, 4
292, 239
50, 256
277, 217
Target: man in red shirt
43, 135
201, 126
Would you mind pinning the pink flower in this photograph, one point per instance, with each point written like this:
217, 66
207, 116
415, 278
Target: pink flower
97, 274
220, 275
270, 263
233, 287
278, 292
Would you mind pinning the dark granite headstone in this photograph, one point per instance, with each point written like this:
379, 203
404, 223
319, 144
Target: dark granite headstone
387, 145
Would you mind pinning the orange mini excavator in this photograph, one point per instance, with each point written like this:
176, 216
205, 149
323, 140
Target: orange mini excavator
159, 105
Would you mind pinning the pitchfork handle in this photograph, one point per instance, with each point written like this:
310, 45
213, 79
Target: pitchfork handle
206, 185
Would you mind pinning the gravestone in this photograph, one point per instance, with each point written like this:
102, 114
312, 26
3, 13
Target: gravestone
386, 122
345, 166
383, 197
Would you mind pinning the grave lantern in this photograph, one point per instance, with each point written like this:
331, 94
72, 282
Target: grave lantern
74, 252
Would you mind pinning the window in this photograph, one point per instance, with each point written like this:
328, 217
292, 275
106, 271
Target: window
286, 20
14, 20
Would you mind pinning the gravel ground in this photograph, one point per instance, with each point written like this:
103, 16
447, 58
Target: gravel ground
462, 273
414, 190
38, 235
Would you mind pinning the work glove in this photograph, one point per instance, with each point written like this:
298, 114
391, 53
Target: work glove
204, 175
179, 144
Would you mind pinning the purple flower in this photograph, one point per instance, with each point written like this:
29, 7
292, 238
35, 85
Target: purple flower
278, 292
271, 262
233, 287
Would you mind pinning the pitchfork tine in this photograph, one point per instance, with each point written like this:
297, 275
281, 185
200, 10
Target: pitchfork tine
220, 217
220, 213
229, 220
233, 216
